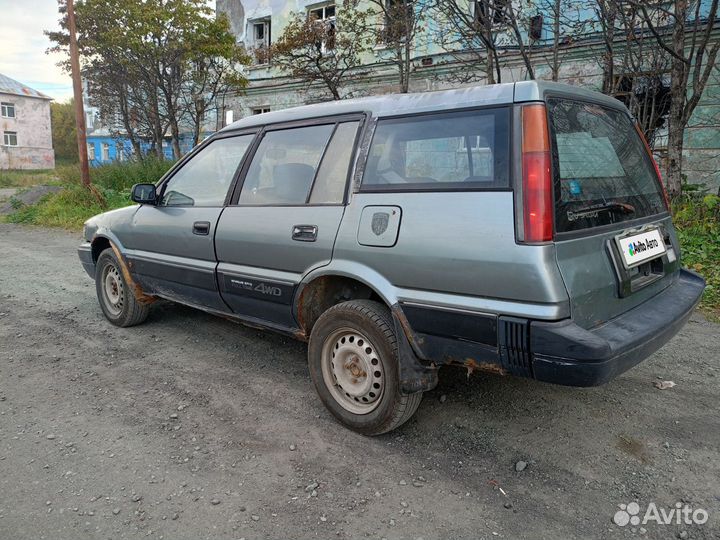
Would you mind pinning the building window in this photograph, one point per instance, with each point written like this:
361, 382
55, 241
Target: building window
260, 29
8, 110
399, 15
647, 95
120, 151
105, 152
261, 110
91, 151
325, 15
496, 10
10, 138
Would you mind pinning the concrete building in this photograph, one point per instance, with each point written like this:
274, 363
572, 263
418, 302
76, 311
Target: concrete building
25, 127
258, 23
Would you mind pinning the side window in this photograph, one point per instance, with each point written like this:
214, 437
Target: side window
465, 150
329, 187
284, 166
204, 180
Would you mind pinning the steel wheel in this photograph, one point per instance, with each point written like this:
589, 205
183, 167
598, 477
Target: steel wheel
113, 290
352, 371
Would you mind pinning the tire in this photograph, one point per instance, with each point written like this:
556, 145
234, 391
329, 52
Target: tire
116, 298
353, 363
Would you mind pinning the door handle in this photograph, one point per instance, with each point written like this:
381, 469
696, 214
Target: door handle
201, 227
304, 233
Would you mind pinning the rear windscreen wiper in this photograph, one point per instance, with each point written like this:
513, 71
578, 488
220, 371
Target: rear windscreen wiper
593, 209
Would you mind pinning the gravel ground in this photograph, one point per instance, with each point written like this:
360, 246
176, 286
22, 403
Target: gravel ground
191, 426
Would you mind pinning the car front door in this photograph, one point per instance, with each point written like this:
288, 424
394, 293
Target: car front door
285, 217
170, 246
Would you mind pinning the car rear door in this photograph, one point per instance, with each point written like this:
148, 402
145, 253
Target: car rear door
615, 243
285, 216
170, 246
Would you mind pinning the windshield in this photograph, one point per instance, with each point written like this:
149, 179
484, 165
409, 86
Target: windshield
603, 174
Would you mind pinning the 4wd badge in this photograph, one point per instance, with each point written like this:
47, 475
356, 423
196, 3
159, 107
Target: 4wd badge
380, 222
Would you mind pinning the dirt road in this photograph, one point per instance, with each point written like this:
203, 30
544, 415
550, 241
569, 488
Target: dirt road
194, 427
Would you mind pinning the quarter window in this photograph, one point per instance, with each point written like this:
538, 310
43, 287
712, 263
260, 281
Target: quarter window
10, 138
204, 180
466, 150
283, 168
7, 110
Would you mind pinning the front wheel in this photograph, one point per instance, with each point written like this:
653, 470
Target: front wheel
117, 299
353, 363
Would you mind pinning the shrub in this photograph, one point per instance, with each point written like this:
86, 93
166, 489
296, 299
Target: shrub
697, 219
121, 175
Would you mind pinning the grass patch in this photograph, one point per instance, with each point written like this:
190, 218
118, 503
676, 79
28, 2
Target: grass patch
73, 205
68, 208
21, 179
697, 220
118, 176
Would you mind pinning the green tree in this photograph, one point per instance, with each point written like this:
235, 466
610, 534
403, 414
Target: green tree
143, 60
324, 52
211, 60
63, 130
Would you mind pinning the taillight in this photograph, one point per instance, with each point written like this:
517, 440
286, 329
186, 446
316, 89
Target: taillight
537, 188
657, 169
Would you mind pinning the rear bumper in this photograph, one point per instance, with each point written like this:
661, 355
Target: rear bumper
564, 353
86, 258
559, 352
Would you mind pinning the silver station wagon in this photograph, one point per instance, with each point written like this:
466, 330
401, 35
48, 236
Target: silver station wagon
520, 229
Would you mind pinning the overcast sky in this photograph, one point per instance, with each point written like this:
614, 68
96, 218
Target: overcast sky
23, 46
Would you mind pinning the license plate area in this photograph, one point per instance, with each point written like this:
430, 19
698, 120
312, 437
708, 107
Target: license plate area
654, 261
645, 273
638, 248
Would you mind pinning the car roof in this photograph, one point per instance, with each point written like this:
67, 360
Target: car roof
442, 100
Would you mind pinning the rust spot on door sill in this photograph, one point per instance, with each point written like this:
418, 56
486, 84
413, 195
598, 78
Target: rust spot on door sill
473, 365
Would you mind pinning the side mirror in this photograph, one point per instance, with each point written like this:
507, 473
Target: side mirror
144, 194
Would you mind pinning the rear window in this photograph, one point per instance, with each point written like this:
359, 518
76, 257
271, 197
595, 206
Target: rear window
603, 174
463, 150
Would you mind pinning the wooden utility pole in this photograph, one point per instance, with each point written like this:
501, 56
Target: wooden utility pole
78, 94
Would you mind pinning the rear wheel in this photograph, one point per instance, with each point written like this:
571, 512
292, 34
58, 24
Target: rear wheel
353, 363
116, 299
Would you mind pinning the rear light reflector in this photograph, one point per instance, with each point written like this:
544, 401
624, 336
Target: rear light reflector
537, 187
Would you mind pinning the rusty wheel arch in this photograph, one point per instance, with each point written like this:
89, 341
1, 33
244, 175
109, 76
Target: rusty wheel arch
319, 295
322, 293
100, 244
